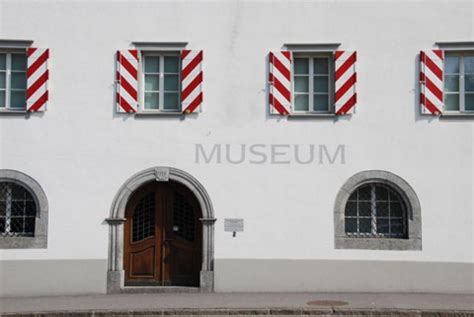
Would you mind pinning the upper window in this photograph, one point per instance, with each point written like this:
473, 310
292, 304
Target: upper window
161, 82
312, 84
12, 81
459, 82
376, 210
17, 211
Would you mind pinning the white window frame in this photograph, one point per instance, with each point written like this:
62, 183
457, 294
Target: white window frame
311, 56
141, 82
8, 89
462, 92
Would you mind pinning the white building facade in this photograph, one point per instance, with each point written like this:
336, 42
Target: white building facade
236, 146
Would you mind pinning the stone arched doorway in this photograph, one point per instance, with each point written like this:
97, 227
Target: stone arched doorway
116, 220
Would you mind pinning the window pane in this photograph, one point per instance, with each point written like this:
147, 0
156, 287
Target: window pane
171, 83
383, 226
3, 77
301, 84
301, 66
396, 227
152, 82
2, 98
320, 84
469, 83
3, 61
451, 102
18, 99
152, 64
381, 209
351, 209
451, 65
18, 80
451, 83
381, 193
469, 64
396, 209
321, 66
365, 226
321, 102
171, 64
365, 209
353, 196
19, 62
365, 193
469, 102
351, 225
151, 100
171, 101
301, 102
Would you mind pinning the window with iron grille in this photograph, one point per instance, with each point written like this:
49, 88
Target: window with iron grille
143, 221
12, 81
376, 210
17, 211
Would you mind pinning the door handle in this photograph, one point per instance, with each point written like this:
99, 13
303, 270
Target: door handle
167, 241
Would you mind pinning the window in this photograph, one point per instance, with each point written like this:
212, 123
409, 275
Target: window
23, 212
375, 210
12, 81
312, 84
459, 82
161, 82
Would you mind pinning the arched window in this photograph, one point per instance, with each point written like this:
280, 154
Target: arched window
377, 210
23, 212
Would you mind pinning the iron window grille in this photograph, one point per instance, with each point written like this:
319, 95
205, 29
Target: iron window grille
143, 221
17, 211
376, 210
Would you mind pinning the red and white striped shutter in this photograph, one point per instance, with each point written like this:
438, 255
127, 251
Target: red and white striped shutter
431, 81
127, 81
37, 75
279, 80
345, 77
191, 81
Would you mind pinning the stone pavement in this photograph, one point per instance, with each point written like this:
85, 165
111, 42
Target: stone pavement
362, 304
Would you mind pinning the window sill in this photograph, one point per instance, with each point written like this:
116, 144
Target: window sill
160, 113
38, 242
457, 115
17, 112
313, 115
377, 243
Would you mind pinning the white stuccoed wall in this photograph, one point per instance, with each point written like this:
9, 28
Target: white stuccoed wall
81, 152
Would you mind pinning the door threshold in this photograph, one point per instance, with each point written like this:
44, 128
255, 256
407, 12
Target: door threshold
159, 289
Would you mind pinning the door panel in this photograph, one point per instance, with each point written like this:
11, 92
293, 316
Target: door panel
163, 236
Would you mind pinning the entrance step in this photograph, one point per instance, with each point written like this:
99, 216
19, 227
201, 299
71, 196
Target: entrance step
159, 289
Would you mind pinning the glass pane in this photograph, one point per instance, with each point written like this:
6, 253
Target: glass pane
381, 193
2, 98
351, 209
321, 102
3, 79
3, 61
19, 62
365, 193
151, 100
18, 99
171, 83
383, 226
321, 66
152, 82
301, 66
365, 226
301, 84
451, 65
469, 83
451, 102
396, 209
321, 84
397, 227
353, 196
18, 80
171, 101
365, 209
171, 64
451, 83
301, 102
469, 64
152, 64
469, 102
351, 225
381, 209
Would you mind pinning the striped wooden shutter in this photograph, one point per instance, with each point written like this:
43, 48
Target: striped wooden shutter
37, 75
191, 81
345, 77
127, 81
431, 81
279, 81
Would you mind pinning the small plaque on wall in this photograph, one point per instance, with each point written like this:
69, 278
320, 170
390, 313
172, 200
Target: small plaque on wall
234, 225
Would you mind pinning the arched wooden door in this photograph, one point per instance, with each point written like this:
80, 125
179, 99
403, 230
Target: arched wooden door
162, 236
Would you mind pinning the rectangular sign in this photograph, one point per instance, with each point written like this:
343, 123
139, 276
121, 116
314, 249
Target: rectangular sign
234, 225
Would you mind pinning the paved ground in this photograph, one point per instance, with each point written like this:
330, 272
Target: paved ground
244, 304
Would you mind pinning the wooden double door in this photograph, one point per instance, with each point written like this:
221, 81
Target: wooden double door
162, 236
